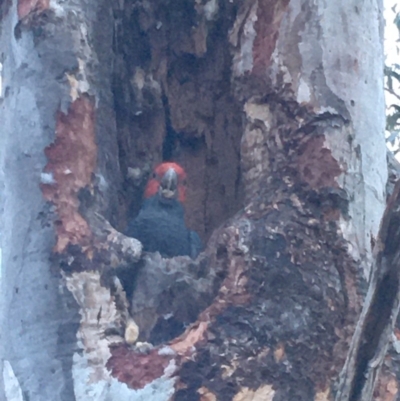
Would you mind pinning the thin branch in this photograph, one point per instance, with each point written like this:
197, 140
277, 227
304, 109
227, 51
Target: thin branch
392, 92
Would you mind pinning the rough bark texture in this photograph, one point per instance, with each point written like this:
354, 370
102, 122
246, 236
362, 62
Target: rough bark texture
275, 109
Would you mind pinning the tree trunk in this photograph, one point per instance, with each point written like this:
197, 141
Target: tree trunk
276, 111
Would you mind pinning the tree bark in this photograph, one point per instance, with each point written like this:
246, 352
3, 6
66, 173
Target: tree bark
276, 111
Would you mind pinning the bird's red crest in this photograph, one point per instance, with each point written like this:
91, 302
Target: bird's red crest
158, 172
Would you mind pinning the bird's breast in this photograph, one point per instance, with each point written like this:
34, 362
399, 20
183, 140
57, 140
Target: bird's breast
159, 230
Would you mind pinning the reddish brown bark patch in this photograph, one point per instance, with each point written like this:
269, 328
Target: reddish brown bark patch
317, 166
387, 387
71, 162
136, 369
26, 7
269, 16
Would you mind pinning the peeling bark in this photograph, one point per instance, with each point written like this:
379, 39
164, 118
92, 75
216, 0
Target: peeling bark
275, 109
71, 163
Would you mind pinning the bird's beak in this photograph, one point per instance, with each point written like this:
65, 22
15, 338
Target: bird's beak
169, 184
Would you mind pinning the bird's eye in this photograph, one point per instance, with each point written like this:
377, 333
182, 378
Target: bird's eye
154, 175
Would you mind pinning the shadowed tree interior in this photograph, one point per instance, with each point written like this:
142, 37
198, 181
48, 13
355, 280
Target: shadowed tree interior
173, 101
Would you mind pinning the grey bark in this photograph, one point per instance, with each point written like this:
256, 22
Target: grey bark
39, 316
35, 318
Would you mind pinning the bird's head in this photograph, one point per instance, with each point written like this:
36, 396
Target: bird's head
169, 181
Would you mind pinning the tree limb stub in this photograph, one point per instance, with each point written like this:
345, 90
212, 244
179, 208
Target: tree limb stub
379, 313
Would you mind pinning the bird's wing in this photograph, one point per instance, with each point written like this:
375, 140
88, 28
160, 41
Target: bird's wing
196, 246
